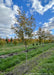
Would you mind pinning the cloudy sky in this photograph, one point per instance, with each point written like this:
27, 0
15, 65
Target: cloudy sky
43, 11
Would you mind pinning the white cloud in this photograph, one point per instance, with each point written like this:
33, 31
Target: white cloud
49, 25
53, 8
40, 22
1, 1
35, 34
45, 1
31, 11
36, 5
7, 16
15, 8
28, 4
27, 14
8, 2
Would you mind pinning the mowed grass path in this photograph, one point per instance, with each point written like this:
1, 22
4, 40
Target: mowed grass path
8, 63
11, 49
45, 66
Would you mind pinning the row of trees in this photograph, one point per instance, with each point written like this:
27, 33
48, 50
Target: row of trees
8, 41
40, 40
44, 36
24, 27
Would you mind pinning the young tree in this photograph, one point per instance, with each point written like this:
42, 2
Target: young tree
41, 35
49, 36
11, 39
24, 26
7, 40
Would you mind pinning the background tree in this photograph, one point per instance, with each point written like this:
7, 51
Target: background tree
41, 35
44, 36
11, 39
15, 42
24, 27
6, 39
2, 42
49, 36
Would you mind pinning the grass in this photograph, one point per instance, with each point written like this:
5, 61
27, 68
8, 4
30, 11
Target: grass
7, 50
17, 59
45, 67
48, 66
12, 49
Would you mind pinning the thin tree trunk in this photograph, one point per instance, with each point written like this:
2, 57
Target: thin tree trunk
26, 52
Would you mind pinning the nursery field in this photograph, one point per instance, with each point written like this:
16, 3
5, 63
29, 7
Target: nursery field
40, 60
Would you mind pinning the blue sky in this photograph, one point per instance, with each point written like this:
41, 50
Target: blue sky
43, 11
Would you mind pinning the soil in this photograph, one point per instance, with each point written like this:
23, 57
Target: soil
16, 53
26, 68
